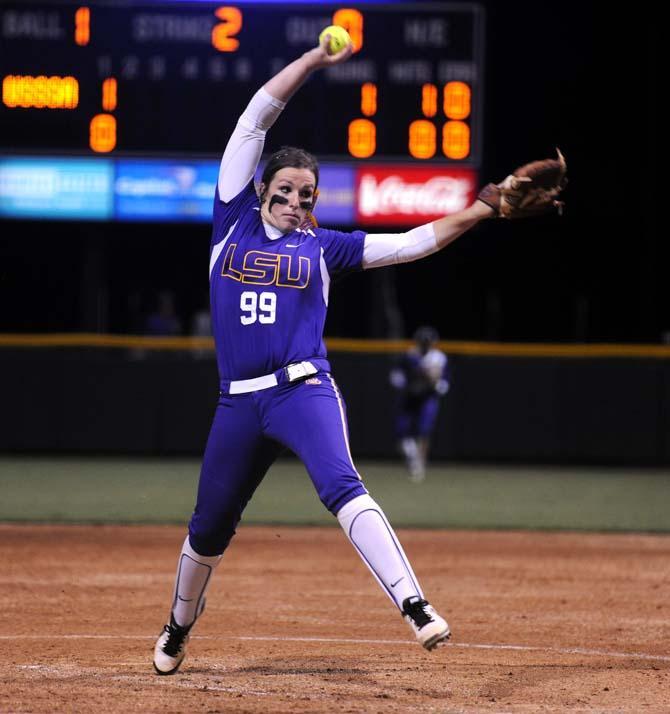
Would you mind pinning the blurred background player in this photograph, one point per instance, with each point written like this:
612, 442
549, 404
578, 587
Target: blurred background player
163, 321
421, 378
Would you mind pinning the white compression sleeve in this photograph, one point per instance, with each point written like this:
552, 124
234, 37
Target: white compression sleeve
371, 534
245, 146
194, 571
381, 249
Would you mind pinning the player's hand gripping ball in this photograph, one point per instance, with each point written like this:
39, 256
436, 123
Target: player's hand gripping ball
339, 38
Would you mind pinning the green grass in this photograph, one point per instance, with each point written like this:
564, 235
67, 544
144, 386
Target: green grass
125, 490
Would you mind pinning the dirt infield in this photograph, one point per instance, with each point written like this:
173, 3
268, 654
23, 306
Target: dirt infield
295, 623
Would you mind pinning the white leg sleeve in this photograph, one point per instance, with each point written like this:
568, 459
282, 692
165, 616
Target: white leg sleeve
194, 572
371, 534
409, 447
410, 450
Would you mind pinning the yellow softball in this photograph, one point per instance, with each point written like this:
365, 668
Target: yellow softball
339, 38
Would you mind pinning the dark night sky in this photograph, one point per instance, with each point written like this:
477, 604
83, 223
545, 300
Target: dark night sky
576, 75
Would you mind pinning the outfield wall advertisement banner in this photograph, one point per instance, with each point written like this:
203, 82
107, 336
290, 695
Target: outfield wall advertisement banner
156, 190
67, 189
170, 190
401, 195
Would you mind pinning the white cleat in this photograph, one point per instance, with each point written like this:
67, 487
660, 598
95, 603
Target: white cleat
170, 648
429, 628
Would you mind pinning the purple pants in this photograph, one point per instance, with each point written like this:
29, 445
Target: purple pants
249, 431
417, 417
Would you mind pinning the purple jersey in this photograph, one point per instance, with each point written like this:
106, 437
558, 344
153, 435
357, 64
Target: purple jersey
269, 297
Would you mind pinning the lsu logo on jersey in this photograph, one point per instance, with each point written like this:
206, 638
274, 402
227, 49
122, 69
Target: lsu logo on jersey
261, 268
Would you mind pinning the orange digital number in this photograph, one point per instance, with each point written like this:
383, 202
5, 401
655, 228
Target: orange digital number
352, 21
82, 26
456, 140
422, 139
102, 137
457, 100
223, 33
362, 138
369, 99
109, 100
429, 100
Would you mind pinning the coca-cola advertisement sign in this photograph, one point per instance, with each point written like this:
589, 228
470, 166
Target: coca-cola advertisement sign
398, 195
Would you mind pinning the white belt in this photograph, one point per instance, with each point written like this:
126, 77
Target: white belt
290, 373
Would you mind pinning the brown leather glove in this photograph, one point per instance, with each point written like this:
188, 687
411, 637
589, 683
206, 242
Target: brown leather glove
531, 190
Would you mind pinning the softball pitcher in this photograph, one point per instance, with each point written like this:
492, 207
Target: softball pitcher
270, 273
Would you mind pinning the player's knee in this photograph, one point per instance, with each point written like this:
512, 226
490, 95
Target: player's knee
333, 500
210, 541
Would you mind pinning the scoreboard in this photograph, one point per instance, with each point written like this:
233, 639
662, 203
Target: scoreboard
171, 78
